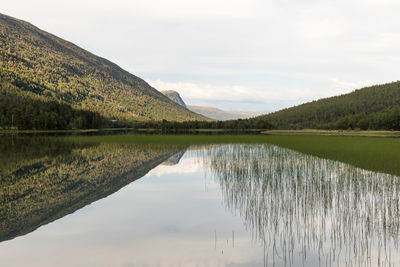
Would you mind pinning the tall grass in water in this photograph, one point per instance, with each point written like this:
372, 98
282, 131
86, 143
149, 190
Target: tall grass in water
306, 210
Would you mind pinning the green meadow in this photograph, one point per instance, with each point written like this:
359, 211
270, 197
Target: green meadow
372, 153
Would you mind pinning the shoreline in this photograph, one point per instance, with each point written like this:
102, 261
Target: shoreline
374, 133
370, 133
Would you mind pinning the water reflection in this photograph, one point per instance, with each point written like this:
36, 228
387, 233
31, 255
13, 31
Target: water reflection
43, 179
174, 159
309, 211
214, 205
165, 219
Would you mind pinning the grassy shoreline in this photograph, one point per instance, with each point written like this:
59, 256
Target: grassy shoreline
61, 131
219, 131
372, 152
334, 132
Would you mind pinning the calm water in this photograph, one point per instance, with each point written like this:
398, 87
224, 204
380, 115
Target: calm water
75, 204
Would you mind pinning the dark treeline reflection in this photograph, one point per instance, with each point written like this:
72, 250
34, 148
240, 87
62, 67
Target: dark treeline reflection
43, 179
309, 211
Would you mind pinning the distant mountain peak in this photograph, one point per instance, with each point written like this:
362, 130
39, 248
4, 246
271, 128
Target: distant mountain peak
210, 112
174, 96
222, 115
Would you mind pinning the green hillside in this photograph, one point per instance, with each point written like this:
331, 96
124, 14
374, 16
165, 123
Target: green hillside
375, 107
37, 65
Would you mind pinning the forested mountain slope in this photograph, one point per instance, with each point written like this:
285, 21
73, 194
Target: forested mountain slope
37, 65
375, 107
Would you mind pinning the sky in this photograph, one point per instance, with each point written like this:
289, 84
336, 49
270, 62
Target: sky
257, 55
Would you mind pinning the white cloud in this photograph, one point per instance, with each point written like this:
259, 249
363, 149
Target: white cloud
342, 87
186, 165
195, 91
261, 98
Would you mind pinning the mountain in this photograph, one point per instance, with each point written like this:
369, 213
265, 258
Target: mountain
174, 159
222, 115
174, 96
210, 112
38, 66
375, 107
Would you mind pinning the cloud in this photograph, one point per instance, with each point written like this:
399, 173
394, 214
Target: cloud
345, 87
265, 99
230, 96
186, 165
272, 53
196, 91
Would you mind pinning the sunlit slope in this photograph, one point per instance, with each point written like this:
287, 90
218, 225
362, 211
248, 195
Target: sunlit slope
39, 65
375, 107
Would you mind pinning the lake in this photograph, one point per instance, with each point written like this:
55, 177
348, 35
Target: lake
199, 201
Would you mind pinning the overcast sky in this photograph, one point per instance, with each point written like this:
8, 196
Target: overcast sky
259, 55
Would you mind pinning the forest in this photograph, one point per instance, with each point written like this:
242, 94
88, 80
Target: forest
170, 126
371, 108
21, 113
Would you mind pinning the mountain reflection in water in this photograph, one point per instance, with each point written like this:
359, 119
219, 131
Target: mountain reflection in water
298, 209
43, 179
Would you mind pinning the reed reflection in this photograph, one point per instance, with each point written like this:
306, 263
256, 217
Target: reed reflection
309, 211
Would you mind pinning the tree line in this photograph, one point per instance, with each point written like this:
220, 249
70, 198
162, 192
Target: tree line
21, 113
240, 124
34, 114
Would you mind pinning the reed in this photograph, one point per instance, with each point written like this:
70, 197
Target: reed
307, 210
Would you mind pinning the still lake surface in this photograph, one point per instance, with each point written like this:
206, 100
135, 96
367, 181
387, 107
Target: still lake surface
100, 204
